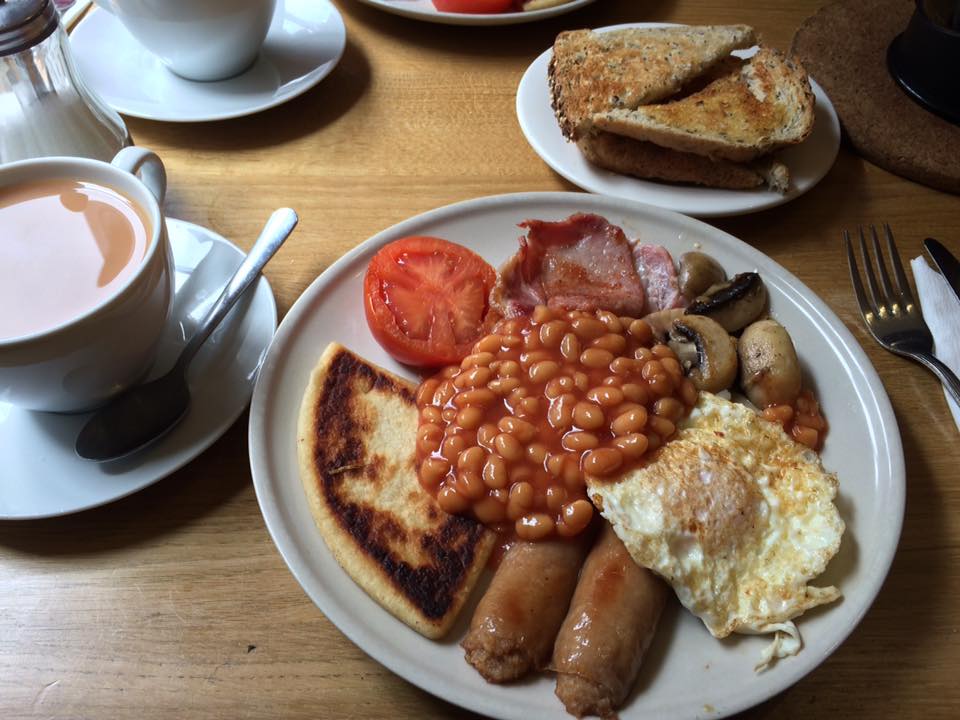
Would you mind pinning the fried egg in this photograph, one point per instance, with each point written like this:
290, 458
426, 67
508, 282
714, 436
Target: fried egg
737, 517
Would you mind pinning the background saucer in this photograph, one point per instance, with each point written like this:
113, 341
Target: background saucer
304, 44
43, 476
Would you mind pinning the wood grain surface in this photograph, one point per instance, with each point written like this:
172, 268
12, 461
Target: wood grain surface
174, 603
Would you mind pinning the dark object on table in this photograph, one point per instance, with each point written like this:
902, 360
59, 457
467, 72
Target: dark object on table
843, 47
924, 58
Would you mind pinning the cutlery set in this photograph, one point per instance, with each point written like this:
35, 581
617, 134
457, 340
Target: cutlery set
891, 313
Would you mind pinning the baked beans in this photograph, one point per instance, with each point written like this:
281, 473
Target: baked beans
803, 420
494, 472
511, 434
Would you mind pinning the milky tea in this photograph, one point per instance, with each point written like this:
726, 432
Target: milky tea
65, 247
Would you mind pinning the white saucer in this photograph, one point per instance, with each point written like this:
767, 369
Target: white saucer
808, 162
424, 10
304, 44
42, 476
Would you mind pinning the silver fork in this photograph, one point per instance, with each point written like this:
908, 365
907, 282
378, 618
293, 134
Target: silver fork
892, 315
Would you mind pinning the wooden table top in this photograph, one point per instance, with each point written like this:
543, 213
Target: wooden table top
175, 603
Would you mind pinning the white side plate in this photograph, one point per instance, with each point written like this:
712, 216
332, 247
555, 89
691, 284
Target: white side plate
808, 162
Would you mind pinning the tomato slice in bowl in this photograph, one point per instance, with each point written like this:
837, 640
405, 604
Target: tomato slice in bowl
427, 300
473, 6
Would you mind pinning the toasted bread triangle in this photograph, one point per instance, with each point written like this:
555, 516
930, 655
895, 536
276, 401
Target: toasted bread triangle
646, 160
356, 447
593, 72
765, 105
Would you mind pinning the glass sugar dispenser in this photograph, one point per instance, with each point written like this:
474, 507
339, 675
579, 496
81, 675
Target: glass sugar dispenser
45, 108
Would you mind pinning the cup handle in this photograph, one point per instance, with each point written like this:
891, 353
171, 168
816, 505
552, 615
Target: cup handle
146, 166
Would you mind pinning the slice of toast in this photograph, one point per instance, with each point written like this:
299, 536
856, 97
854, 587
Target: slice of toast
645, 160
593, 72
356, 447
765, 105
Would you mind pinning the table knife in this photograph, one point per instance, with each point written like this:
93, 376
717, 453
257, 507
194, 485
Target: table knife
946, 263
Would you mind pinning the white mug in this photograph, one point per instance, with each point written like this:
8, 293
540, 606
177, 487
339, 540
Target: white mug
198, 39
81, 363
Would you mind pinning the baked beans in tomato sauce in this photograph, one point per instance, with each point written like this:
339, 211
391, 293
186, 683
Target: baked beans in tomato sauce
802, 420
510, 435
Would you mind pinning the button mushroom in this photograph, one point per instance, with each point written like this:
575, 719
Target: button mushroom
698, 273
735, 303
708, 354
661, 321
769, 368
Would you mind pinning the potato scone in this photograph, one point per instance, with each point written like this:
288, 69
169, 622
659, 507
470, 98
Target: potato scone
737, 517
357, 465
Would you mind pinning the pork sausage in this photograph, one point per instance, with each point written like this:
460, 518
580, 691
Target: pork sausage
611, 622
516, 621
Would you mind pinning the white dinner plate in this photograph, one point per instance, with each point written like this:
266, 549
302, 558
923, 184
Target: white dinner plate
424, 10
808, 162
305, 42
41, 474
687, 673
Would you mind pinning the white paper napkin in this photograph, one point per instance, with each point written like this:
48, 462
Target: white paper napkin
941, 310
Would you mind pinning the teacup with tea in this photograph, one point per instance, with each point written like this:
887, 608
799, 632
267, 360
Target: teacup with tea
85, 278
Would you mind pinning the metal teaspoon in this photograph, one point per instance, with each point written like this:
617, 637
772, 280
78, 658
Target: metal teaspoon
146, 412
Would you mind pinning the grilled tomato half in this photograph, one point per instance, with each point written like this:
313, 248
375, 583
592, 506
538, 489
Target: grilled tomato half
427, 300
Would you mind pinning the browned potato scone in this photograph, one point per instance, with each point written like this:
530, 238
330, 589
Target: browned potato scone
357, 466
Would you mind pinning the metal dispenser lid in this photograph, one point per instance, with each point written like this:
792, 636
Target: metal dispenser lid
24, 23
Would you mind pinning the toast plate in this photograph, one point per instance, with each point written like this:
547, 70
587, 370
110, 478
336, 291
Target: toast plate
687, 673
424, 10
808, 162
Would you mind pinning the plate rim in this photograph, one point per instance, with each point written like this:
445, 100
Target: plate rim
319, 73
379, 651
528, 80
476, 19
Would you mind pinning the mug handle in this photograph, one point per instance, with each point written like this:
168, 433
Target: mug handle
146, 166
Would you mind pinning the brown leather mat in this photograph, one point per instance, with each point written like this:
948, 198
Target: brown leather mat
844, 48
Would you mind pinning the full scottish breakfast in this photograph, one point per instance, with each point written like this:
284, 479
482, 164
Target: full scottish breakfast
598, 424
595, 452
673, 104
